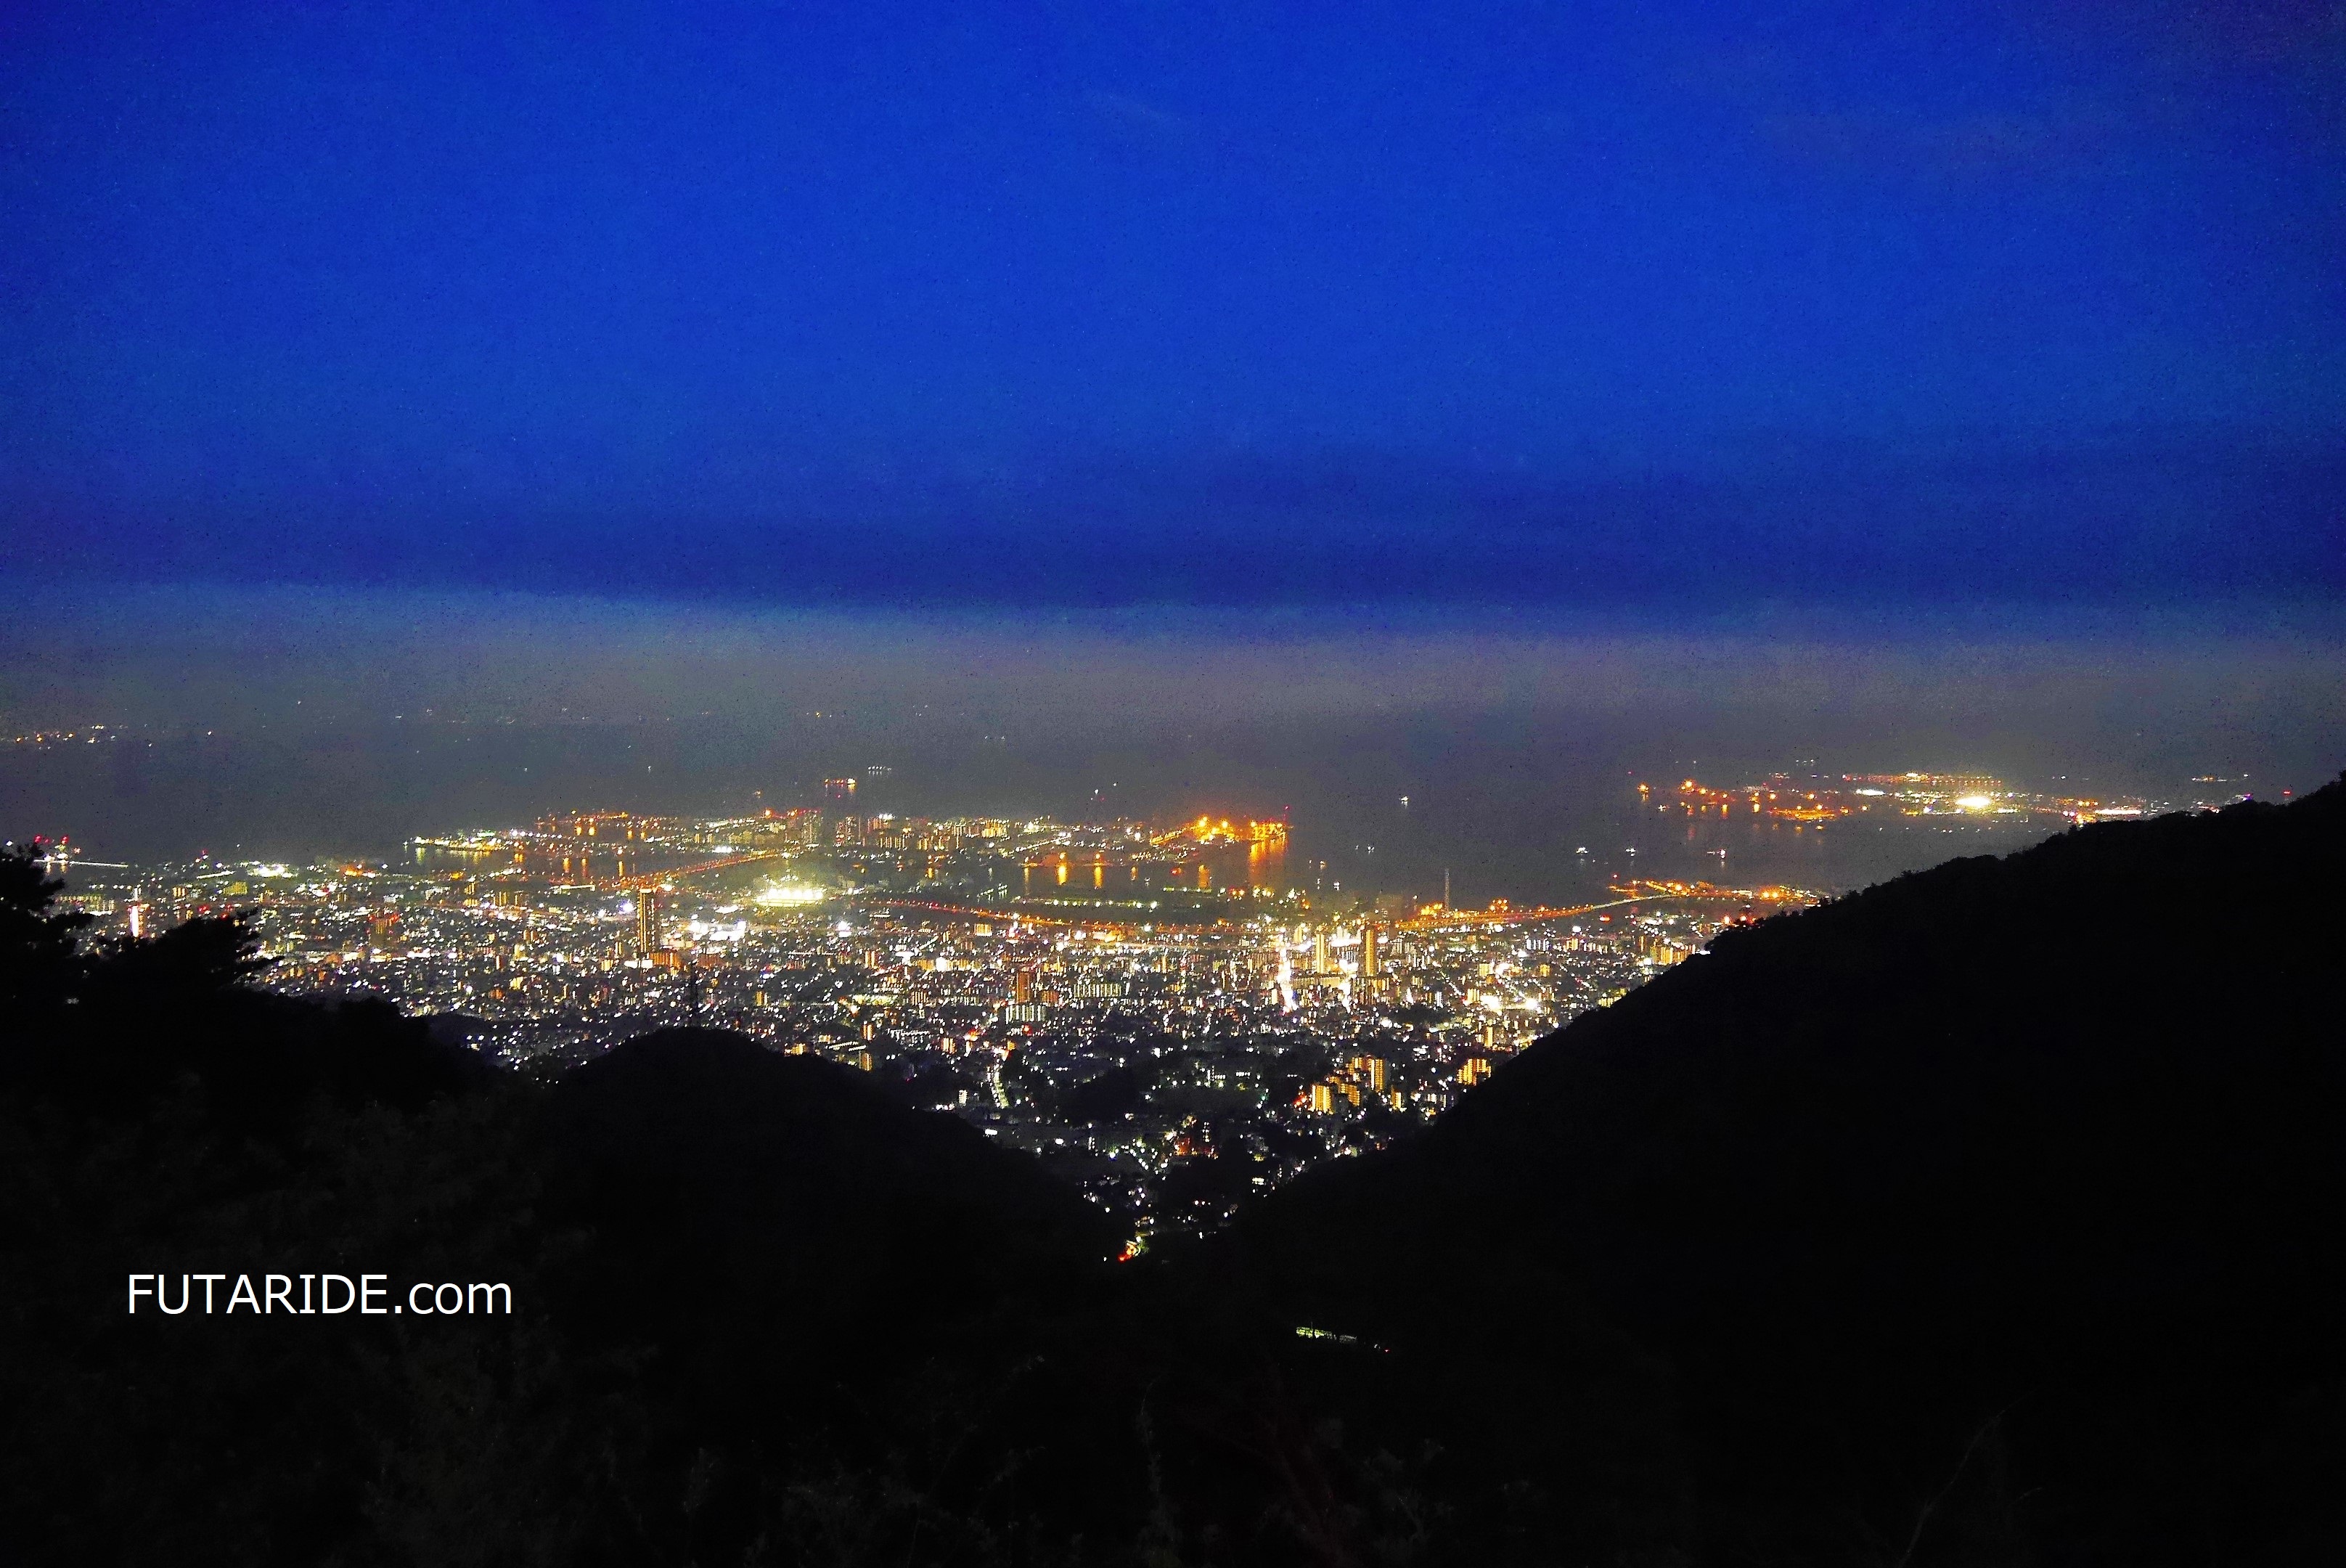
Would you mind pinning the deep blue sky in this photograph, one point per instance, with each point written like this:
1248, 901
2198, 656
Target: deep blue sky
1116, 302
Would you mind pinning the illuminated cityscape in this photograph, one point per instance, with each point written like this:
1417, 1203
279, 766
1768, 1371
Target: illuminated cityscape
1162, 1011
1783, 798
1152, 1008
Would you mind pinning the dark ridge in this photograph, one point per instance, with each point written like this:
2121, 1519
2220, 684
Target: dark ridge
1990, 1211
1987, 1217
797, 1267
752, 1297
112, 1032
751, 1203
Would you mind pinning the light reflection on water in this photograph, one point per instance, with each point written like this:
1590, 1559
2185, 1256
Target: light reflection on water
1401, 747
1532, 818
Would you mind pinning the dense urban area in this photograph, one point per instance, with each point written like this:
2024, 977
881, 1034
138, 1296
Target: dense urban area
1156, 1010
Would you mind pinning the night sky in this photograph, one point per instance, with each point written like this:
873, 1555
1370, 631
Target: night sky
1162, 302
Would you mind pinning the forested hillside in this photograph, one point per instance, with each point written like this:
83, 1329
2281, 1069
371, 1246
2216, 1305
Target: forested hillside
1987, 1212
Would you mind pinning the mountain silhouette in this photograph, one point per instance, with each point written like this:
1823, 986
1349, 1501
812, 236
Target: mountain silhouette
781, 1223
1987, 1214
1987, 1217
754, 1299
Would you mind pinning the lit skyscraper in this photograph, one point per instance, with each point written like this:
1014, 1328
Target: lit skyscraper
647, 922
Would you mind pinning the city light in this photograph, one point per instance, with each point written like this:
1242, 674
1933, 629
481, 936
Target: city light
998, 967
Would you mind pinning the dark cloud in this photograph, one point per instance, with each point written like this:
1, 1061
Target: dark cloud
2149, 515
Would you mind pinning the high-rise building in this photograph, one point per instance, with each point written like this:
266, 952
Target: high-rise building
1368, 953
647, 923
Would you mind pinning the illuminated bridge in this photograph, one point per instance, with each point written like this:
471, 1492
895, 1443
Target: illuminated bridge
675, 873
1643, 892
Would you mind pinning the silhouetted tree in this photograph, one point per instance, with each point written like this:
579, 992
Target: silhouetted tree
196, 958
40, 960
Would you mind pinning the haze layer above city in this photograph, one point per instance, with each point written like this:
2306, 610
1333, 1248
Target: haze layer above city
296, 723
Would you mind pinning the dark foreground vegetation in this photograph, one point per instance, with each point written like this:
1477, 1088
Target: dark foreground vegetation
1996, 1215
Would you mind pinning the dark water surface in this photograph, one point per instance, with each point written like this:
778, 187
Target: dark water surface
289, 725
1532, 814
